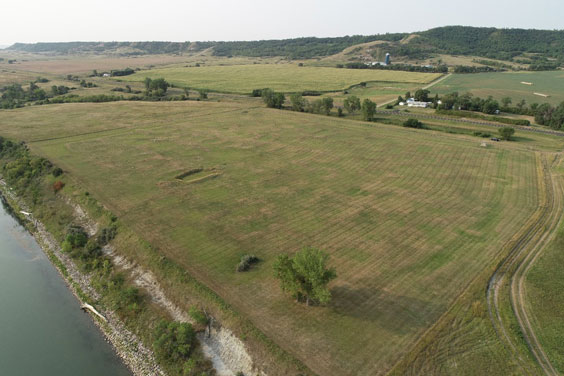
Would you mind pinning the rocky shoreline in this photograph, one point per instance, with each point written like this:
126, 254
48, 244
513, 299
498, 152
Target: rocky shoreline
134, 354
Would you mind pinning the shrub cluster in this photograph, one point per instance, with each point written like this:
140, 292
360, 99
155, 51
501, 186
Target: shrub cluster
246, 262
413, 123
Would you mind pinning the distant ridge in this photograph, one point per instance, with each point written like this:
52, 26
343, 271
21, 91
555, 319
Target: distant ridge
457, 40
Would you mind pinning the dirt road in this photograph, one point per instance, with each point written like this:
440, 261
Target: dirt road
507, 282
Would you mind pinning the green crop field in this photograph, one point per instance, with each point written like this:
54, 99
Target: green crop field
409, 217
507, 84
243, 79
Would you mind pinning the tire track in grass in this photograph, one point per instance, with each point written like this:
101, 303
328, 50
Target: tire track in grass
513, 270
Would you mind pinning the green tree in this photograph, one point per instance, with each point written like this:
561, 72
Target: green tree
521, 104
273, 99
316, 106
506, 101
506, 133
422, 95
327, 105
298, 102
368, 109
490, 106
305, 276
159, 84
147, 83
352, 104
203, 94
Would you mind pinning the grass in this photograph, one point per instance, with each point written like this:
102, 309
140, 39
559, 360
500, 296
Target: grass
507, 84
545, 298
10, 76
243, 79
409, 217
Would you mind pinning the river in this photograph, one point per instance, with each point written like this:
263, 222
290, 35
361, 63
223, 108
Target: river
42, 329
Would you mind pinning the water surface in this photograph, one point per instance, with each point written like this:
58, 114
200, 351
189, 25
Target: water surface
42, 329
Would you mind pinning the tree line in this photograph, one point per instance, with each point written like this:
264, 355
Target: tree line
396, 67
322, 105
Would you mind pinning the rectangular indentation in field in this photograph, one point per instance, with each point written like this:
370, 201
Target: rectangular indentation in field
187, 173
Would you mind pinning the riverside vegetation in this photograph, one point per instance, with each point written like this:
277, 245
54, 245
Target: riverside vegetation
36, 180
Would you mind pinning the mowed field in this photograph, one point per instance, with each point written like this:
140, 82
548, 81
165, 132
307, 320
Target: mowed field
409, 217
507, 84
242, 79
545, 295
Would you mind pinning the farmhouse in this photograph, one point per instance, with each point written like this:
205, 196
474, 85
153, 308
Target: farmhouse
411, 102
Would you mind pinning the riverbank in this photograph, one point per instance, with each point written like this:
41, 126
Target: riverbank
134, 354
227, 353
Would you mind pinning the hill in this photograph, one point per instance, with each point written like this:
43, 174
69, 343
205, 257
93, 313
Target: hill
533, 46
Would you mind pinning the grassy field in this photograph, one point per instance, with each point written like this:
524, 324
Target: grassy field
243, 79
10, 76
86, 64
507, 84
409, 217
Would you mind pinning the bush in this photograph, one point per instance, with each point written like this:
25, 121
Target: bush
58, 185
198, 315
173, 341
106, 235
246, 262
76, 236
413, 123
57, 171
310, 93
66, 246
482, 134
256, 93
91, 250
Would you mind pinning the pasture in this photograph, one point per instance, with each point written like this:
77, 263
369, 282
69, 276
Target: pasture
10, 76
507, 84
242, 79
409, 217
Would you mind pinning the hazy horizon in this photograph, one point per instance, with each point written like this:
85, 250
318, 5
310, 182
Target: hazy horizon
178, 21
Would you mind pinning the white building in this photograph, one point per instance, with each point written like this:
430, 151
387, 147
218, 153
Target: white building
411, 102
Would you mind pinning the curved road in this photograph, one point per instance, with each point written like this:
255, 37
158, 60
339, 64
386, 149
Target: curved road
510, 274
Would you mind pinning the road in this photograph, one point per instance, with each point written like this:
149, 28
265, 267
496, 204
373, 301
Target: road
507, 282
424, 88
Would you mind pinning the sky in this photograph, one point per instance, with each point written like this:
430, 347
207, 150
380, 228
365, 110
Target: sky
188, 20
